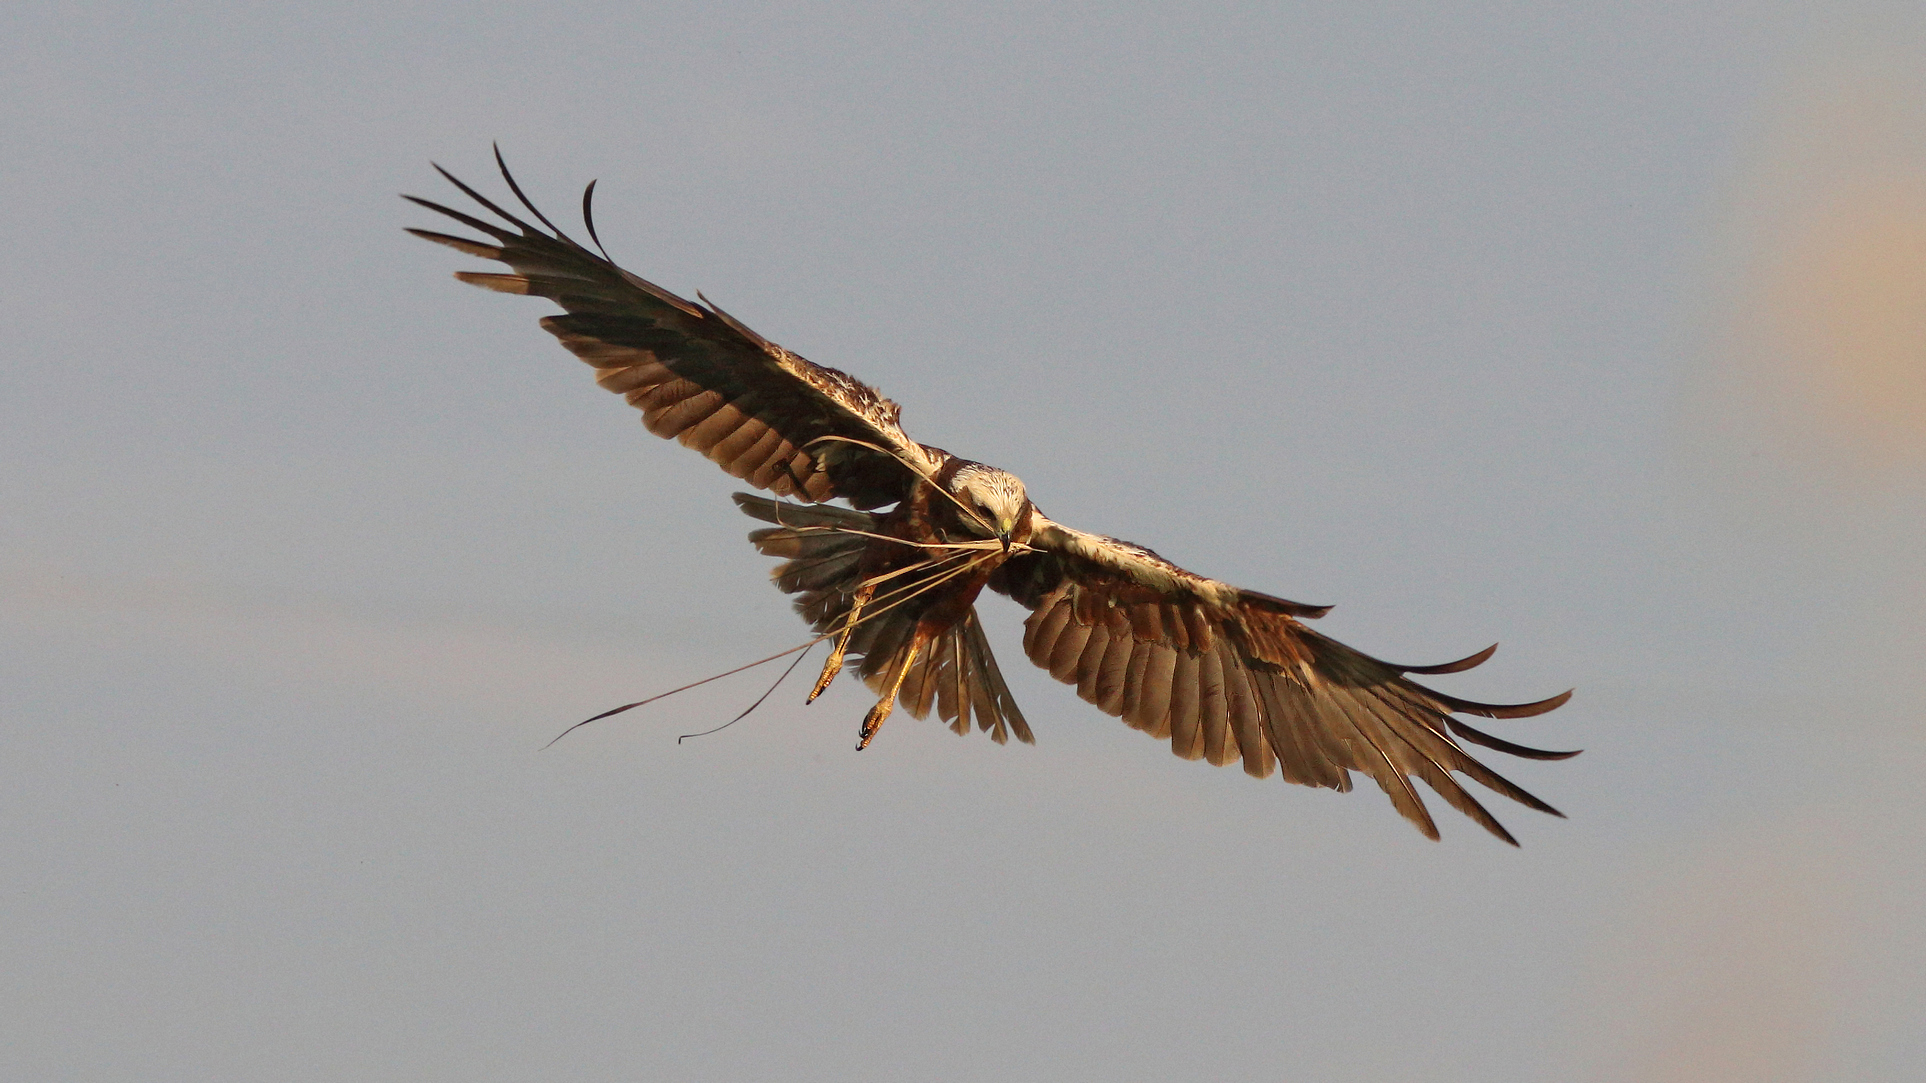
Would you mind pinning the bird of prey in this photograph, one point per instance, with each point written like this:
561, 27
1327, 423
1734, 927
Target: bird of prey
1220, 672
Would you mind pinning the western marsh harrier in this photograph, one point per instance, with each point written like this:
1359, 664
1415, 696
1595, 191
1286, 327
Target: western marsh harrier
1222, 673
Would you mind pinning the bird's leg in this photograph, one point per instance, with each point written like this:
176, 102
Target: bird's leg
835, 663
873, 721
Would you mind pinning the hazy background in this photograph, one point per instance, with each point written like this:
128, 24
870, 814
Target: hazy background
1601, 333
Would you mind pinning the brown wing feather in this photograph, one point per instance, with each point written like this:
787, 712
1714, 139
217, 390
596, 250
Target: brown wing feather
699, 375
1227, 673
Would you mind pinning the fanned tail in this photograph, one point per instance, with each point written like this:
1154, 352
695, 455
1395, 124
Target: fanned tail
956, 675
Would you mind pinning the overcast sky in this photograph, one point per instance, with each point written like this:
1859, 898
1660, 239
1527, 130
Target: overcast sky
1597, 330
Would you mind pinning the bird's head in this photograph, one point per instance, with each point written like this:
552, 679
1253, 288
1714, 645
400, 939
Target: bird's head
994, 504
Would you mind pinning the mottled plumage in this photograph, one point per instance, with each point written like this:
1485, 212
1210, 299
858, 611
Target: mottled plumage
1223, 674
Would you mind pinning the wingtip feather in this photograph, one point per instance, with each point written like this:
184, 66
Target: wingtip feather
500, 283
460, 244
1503, 710
1480, 737
502, 164
482, 199
1471, 661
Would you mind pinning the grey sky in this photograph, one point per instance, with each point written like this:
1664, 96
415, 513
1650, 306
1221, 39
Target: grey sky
1595, 333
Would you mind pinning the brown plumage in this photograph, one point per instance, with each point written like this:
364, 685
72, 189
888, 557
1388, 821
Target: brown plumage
1223, 674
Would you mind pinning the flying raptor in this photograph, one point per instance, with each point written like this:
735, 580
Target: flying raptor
1222, 673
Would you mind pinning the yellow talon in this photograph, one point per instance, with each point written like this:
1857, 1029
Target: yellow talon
834, 665
873, 721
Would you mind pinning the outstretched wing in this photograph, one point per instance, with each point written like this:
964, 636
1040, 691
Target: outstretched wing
764, 414
1225, 673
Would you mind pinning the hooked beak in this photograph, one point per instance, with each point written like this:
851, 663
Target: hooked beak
1004, 537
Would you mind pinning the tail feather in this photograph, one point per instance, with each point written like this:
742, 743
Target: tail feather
956, 675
